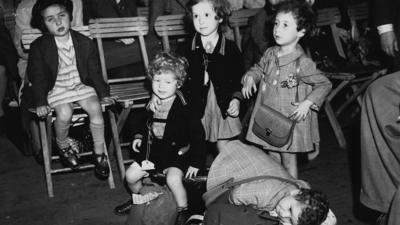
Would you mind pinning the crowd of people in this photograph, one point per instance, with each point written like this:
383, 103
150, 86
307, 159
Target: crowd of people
198, 96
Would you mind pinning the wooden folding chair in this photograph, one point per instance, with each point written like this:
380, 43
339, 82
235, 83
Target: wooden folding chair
45, 126
131, 92
347, 77
170, 27
240, 19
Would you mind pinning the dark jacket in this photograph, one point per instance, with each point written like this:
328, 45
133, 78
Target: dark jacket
43, 66
225, 69
182, 128
108, 9
8, 53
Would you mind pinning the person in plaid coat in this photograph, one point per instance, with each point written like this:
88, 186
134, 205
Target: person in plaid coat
280, 81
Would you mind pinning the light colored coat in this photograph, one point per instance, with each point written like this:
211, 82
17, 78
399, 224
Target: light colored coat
313, 86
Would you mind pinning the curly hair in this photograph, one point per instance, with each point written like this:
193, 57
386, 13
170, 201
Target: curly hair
316, 209
37, 20
302, 12
168, 62
221, 8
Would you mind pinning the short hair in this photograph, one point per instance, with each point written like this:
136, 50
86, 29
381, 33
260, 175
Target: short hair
168, 62
37, 20
221, 8
316, 207
302, 12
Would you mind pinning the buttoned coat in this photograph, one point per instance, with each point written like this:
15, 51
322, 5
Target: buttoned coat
225, 69
43, 66
181, 129
312, 85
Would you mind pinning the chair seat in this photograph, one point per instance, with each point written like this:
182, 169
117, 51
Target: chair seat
129, 91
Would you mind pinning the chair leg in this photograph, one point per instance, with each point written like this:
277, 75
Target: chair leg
46, 157
335, 125
111, 176
120, 124
118, 151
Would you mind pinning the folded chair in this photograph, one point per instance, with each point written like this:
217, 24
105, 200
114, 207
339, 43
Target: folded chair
355, 80
45, 126
171, 27
240, 19
131, 92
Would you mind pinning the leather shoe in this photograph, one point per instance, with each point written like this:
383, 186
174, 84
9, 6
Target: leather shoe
68, 157
182, 217
101, 166
124, 208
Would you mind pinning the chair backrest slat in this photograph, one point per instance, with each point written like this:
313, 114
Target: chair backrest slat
143, 11
331, 17
358, 11
29, 35
170, 26
238, 19
119, 28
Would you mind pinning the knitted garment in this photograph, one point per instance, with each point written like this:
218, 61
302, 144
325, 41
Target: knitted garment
160, 116
68, 87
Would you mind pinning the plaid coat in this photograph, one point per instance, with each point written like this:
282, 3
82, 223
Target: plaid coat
313, 85
241, 161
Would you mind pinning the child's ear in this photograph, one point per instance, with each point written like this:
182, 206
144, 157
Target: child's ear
301, 33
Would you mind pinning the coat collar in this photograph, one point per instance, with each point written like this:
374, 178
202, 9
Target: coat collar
289, 58
197, 44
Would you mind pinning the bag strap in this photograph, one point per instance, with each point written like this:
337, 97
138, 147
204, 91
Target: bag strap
229, 185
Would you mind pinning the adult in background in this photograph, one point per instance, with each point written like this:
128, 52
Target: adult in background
380, 127
8, 65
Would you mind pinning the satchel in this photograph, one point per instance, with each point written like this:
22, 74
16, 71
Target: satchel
159, 211
271, 125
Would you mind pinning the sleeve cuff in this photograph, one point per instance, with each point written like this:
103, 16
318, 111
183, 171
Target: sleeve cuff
384, 28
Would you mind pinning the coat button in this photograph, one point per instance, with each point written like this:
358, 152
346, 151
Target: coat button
173, 143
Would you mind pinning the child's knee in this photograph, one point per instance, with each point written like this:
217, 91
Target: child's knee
64, 113
174, 177
133, 175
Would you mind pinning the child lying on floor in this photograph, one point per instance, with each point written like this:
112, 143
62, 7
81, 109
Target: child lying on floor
292, 204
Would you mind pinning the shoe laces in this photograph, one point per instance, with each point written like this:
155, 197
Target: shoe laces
75, 145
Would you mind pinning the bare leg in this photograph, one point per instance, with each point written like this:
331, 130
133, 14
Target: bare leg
62, 124
174, 182
220, 144
289, 161
133, 178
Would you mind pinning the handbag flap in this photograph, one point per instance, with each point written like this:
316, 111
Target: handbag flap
273, 122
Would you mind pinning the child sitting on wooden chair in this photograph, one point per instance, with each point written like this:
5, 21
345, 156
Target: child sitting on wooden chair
63, 69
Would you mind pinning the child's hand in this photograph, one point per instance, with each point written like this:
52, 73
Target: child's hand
136, 144
302, 110
249, 87
107, 101
191, 172
234, 107
153, 103
42, 111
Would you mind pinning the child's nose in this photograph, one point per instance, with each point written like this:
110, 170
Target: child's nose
58, 21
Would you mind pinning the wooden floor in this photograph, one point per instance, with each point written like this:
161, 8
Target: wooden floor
82, 199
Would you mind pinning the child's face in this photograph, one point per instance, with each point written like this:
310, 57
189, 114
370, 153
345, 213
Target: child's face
285, 30
57, 21
204, 18
164, 84
289, 210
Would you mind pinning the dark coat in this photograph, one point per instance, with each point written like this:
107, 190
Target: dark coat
225, 69
387, 12
108, 9
181, 129
8, 53
43, 66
